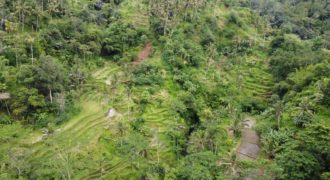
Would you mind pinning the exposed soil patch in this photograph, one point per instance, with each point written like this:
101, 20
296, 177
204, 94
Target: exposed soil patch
144, 54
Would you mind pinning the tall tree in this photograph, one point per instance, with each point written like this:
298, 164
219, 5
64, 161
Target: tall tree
304, 114
23, 10
30, 40
278, 110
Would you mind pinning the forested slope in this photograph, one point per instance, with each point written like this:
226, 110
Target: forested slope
161, 89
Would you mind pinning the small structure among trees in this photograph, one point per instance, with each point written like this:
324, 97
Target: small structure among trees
4, 96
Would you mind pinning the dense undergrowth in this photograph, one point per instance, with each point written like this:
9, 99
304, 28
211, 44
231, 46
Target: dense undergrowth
178, 113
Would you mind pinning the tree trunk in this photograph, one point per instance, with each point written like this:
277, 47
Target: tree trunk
128, 104
157, 154
16, 57
37, 23
31, 48
166, 18
19, 18
50, 95
7, 108
19, 172
23, 23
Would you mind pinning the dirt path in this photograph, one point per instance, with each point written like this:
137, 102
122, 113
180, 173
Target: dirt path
143, 54
249, 147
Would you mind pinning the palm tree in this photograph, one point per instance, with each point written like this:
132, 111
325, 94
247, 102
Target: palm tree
63, 163
38, 12
237, 123
22, 9
305, 105
52, 7
128, 87
3, 86
212, 53
136, 149
42, 5
84, 49
18, 8
174, 133
17, 49
278, 108
230, 165
30, 40
240, 81
156, 142
121, 129
305, 113
3, 63
197, 142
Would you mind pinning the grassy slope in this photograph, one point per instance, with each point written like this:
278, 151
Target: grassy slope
82, 132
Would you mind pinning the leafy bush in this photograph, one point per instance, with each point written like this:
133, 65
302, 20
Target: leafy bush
147, 75
234, 19
137, 124
303, 118
119, 37
186, 82
291, 54
41, 120
274, 142
27, 102
297, 164
253, 105
326, 92
281, 88
198, 166
180, 52
4, 119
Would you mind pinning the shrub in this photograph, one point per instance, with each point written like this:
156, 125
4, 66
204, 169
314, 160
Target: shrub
186, 82
303, 118
234, 19
41, 120
4, 119
325, 176
137, 124
326, 92
198, 166
298, 164
253, 104
147, 75
118, 38
274, 142
281, 88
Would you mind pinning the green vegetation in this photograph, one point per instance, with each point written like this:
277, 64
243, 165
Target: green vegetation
163, 89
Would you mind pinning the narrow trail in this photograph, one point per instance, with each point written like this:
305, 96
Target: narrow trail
144, 54
249, 146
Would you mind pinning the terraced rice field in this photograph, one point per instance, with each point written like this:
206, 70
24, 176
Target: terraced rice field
79, 133
82, 132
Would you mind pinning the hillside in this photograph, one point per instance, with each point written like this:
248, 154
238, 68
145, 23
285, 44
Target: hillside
155, 89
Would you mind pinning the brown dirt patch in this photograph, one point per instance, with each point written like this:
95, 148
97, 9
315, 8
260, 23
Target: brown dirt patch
144, 54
